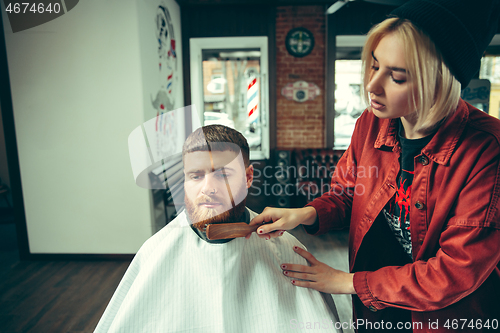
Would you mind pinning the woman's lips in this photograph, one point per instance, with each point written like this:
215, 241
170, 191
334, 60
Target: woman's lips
376, 105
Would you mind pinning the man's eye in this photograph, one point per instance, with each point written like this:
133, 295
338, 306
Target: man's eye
222, 175
195, 177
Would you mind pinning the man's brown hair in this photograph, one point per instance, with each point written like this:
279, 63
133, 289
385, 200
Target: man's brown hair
217, 138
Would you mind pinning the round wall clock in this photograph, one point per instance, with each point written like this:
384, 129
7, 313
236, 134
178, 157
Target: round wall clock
299, 42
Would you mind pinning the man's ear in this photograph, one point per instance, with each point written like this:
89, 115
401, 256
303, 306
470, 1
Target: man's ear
249, 175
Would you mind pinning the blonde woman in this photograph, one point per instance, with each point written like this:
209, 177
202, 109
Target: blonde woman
424, 243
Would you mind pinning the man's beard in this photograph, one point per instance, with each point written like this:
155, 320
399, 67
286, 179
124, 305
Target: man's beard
200, 216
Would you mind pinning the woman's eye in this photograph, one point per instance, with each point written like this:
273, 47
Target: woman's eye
375, 68
398, 81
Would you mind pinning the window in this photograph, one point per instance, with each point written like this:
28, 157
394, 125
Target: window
490, 70
229, 86
216, 84
349, 103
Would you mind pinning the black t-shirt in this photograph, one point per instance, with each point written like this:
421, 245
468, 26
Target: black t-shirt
397, 211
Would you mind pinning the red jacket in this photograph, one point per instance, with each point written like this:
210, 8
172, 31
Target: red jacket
454, 224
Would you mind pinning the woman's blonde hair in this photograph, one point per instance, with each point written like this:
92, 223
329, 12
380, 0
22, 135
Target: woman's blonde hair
437, 91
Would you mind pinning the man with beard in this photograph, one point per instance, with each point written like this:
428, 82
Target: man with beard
180, 281
217, 175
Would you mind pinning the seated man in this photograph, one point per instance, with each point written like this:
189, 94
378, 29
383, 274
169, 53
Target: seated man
180, 281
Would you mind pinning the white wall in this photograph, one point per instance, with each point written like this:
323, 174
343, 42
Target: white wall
78, 91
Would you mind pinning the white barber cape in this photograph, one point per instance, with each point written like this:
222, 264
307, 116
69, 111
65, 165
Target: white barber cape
178, 282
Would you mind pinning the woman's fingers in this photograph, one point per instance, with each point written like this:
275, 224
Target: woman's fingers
299, 271
273, 220
306, 255
268, 215
302, 276
273, 234
304, 284
297, 268
318, 276
268, 236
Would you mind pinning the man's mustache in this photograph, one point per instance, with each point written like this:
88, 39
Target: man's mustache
209, 199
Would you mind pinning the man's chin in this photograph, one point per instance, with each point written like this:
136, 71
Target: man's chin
221, 218
202, 216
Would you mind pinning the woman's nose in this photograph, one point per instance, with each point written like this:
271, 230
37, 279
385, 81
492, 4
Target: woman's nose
374, 86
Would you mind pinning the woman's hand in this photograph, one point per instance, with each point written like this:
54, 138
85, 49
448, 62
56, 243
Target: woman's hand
319, 276
282, 219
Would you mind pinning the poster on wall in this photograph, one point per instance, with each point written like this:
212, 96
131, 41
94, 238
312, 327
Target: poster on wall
167, 60
165, 123
300, 91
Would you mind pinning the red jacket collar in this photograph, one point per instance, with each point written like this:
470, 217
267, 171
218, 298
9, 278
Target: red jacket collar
442, 145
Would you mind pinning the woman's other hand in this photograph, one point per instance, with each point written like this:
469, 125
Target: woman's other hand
318, 275
282, 219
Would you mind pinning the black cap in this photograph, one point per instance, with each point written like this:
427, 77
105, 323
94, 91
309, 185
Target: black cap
460, 29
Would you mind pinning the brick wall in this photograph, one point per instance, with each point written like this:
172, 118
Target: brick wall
300, 125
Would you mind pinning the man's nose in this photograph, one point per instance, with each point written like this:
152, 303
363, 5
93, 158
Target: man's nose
210, 184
